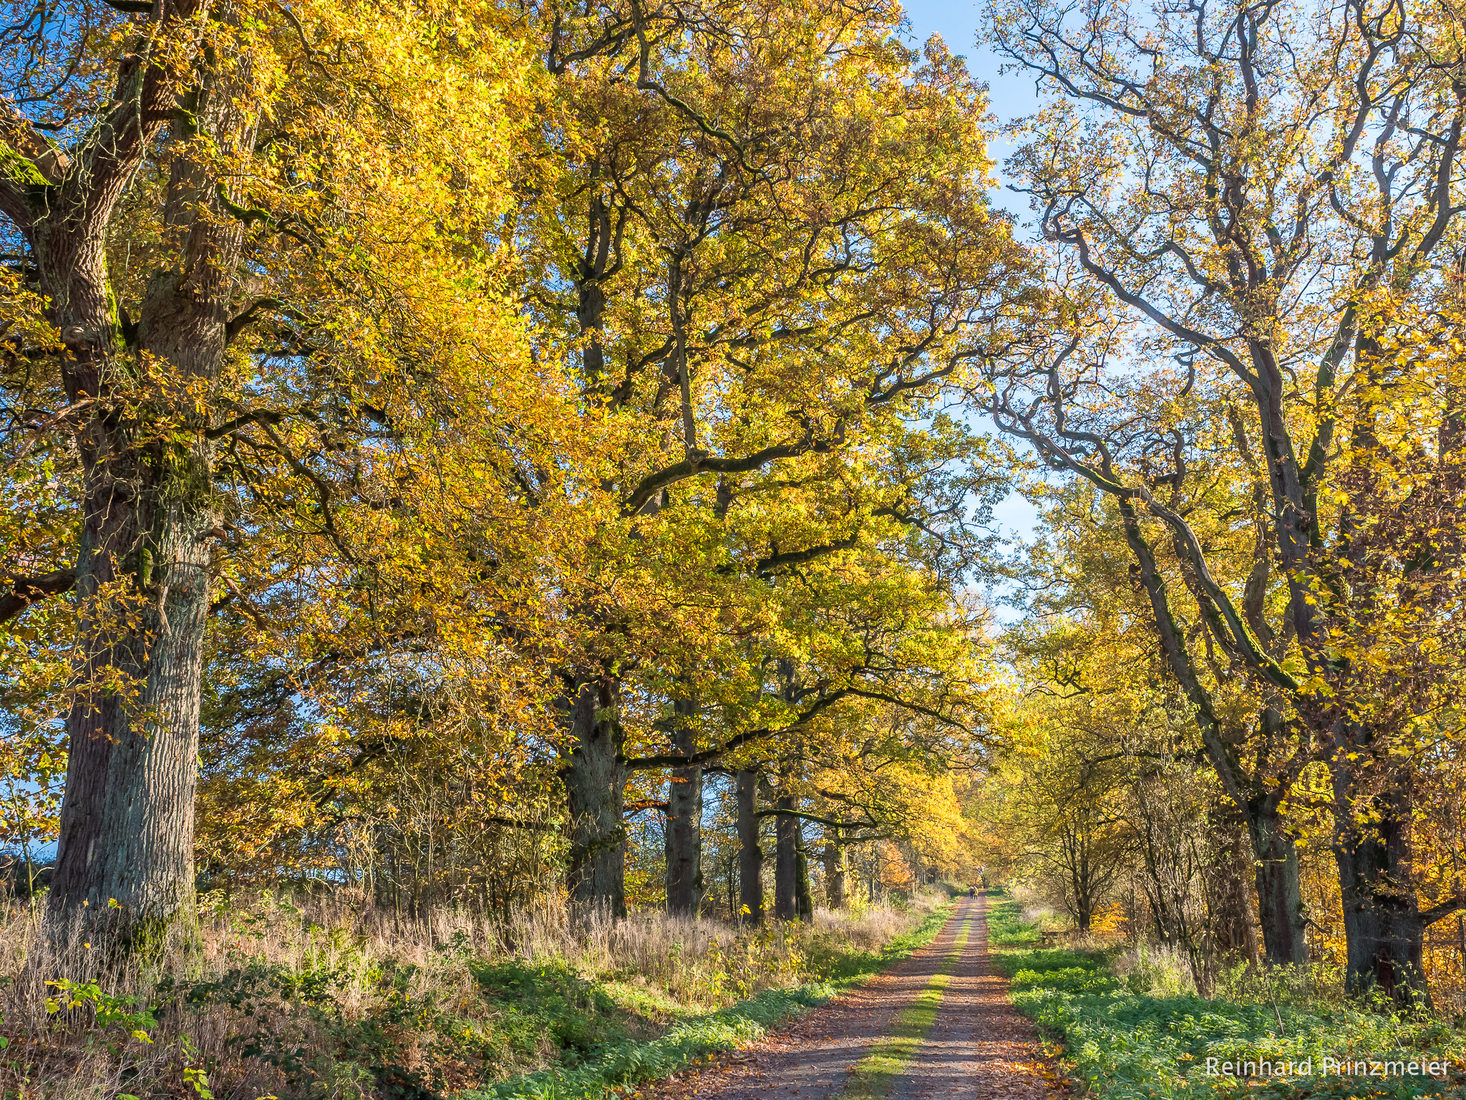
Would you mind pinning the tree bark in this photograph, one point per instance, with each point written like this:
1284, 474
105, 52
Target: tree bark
1383, 930
125, 857
684, 821
750, 855
1279, 892
1083, 906
1280, 906
126, 833
803, 897
1233, 915
835, 862
786, 857
595, 789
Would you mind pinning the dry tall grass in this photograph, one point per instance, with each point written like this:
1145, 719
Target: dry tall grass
328, 996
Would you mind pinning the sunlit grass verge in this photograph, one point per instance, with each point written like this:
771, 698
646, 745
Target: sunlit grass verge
1126, 1040
876, 1073
1006, 924
616, 1067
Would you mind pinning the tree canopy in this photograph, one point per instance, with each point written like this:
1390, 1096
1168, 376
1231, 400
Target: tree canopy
473, 452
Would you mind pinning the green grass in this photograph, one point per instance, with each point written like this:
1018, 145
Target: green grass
615, 1061
1006, 926
1125, 1042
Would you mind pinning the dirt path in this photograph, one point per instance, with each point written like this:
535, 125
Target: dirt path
936, 1025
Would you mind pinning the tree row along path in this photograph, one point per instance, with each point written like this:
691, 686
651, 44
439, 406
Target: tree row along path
939, 1024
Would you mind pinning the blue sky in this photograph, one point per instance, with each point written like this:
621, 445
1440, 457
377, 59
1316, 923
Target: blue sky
957, 23
1012, 96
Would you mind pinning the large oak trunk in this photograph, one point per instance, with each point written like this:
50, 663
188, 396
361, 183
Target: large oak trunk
684, 823
125, 857
595, 788
750, 855
1279, 893
1384, 933
125, 861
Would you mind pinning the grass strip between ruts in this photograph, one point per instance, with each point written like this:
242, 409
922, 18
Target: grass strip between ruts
874, 1075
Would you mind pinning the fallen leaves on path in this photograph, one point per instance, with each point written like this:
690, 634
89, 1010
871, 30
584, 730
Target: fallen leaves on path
979, 1045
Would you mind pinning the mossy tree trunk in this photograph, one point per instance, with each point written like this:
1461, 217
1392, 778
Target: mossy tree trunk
124, 867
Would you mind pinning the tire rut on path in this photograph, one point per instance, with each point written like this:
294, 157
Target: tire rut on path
977, 1046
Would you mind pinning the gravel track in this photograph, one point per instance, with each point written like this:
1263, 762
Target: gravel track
978, 1044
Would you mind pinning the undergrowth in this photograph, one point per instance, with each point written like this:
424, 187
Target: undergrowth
331, 999
627, 1063
1136, 1037
1007, 925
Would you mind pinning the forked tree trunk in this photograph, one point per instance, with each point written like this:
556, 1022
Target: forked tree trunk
1280, 909
595, 790
750, 855
684, 822
1083, 913
124, 865
1075, 841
